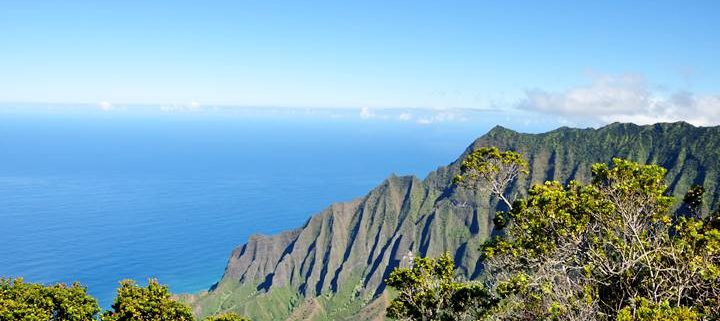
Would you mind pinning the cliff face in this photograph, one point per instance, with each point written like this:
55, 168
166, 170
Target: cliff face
332, 267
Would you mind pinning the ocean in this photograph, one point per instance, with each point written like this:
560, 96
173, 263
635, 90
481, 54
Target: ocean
98, 197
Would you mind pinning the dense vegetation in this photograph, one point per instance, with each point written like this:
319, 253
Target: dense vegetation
613, 249
36, 302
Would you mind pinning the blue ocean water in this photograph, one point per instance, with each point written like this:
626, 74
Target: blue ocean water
99, 197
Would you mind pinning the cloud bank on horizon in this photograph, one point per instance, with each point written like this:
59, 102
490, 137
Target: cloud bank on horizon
624, 98
605, 99
422, 116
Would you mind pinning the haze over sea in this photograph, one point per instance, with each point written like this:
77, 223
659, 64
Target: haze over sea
97, 197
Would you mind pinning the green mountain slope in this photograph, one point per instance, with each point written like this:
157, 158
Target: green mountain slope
332, 268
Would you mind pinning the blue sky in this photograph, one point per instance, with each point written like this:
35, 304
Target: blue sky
640, 61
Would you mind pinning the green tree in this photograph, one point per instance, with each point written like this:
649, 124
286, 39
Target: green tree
429, 290
491, 170
644, 310
151, 303
36, 302
581, 252
611, 249
226, 317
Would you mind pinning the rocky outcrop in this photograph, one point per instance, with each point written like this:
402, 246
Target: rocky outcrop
344, 253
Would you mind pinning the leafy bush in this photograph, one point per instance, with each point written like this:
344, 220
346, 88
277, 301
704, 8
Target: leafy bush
611, 249
59, 302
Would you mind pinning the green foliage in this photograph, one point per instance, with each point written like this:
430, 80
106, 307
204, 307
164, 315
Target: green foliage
550, 213
492, 160
612, 249
151, 303
631, 186
586, 251
226, 317
36, 302
429, 291
490, 169
642, 309
59, 302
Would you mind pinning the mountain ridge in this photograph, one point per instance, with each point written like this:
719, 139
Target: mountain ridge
337, 260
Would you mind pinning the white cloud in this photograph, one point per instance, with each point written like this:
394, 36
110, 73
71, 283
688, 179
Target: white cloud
170, 108
405, 116
424, 121
106, 106
442, 116
625, 98
366, 113
423, 116
192, 106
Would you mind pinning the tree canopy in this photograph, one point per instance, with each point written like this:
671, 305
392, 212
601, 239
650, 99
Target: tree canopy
610, 249
136, 303
490, 169
36, 302
429, 291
